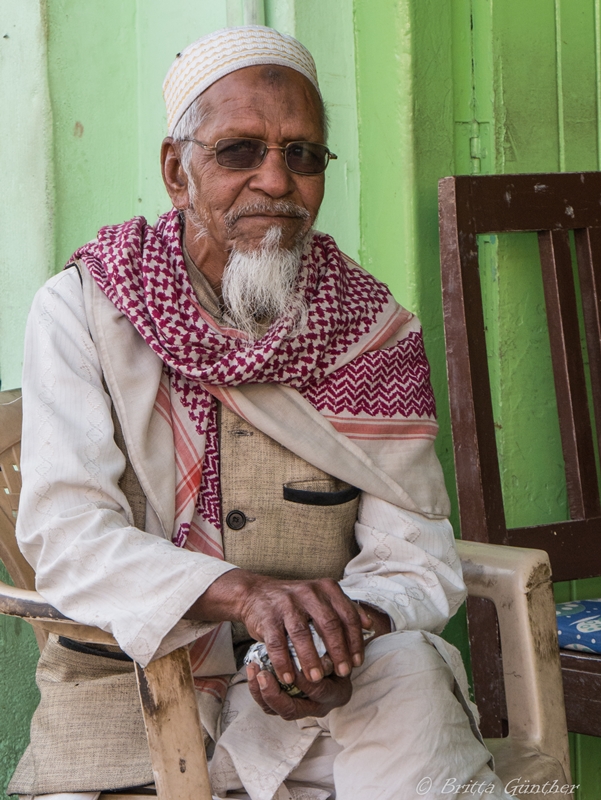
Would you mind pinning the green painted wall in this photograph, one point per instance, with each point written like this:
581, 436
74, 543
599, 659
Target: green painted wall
26, 175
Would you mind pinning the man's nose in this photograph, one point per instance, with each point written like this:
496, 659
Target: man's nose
273, 176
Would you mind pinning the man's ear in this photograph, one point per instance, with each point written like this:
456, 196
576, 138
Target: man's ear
174, 176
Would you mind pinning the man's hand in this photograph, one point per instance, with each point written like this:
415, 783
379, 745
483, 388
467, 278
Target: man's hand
322, 697
271, 609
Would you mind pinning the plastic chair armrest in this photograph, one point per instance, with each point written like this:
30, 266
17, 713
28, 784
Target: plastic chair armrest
518, 581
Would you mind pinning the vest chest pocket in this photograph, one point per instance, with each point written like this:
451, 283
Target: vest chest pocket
308, 532
320, 492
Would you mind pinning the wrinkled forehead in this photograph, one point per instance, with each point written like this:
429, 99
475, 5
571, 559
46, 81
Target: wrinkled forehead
258, 92
212, 57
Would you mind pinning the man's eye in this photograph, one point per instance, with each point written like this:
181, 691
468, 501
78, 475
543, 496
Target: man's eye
298, 151
240, 147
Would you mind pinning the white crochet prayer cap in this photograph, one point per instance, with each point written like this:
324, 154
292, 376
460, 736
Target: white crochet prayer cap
210, 58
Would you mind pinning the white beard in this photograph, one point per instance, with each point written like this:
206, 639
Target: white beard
259, 286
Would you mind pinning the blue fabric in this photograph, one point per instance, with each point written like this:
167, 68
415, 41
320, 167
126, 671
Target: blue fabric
579, 625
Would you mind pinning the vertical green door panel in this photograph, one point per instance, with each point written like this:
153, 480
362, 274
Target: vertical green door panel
92, 78
405, 89
26, 176
577, 69
161, 34
106, 65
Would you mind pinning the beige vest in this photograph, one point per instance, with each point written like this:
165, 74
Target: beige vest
293, 521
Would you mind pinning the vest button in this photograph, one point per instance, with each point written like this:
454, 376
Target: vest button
236, 520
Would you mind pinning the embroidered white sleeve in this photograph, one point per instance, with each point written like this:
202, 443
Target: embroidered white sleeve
407, 566
75, 526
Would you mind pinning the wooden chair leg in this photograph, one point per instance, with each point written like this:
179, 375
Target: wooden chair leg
173, 728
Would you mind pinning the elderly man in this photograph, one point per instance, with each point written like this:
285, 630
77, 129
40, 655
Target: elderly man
228, 436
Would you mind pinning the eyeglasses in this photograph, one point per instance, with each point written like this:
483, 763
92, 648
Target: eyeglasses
303, 158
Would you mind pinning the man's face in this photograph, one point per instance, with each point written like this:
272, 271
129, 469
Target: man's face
277, 105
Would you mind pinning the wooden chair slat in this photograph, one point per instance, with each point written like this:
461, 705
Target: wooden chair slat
173, 727
528, 202
568, 371
565, 542
588, 256
9, 466
479, 489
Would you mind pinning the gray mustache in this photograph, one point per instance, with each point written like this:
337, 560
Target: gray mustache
274, 207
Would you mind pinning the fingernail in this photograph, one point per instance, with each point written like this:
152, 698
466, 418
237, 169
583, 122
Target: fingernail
249, 673
344, 669
357, 659
262, 680
288, 677
316, 674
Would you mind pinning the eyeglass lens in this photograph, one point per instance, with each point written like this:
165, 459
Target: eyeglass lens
307, 158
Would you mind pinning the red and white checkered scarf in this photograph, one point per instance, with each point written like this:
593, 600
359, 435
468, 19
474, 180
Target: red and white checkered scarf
366, 391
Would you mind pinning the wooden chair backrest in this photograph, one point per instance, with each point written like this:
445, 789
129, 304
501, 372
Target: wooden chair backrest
551, 205
10, 486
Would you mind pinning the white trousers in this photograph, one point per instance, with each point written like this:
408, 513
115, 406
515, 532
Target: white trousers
403, 734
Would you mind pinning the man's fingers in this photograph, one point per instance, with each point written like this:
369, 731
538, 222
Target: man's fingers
334, 635
339, 625
351, 615
282, 609
252, 673
327, 694
273, 700
279, 653
302, 639
366, 621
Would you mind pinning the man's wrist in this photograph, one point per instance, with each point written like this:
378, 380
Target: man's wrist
225, 598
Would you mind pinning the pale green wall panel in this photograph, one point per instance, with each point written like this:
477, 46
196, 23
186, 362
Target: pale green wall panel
26, 175
385, 87
405, 74
161, 34
26, 260
325, 27
92, 77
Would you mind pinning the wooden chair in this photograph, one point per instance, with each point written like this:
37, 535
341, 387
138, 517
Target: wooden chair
551, 205
517, 581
